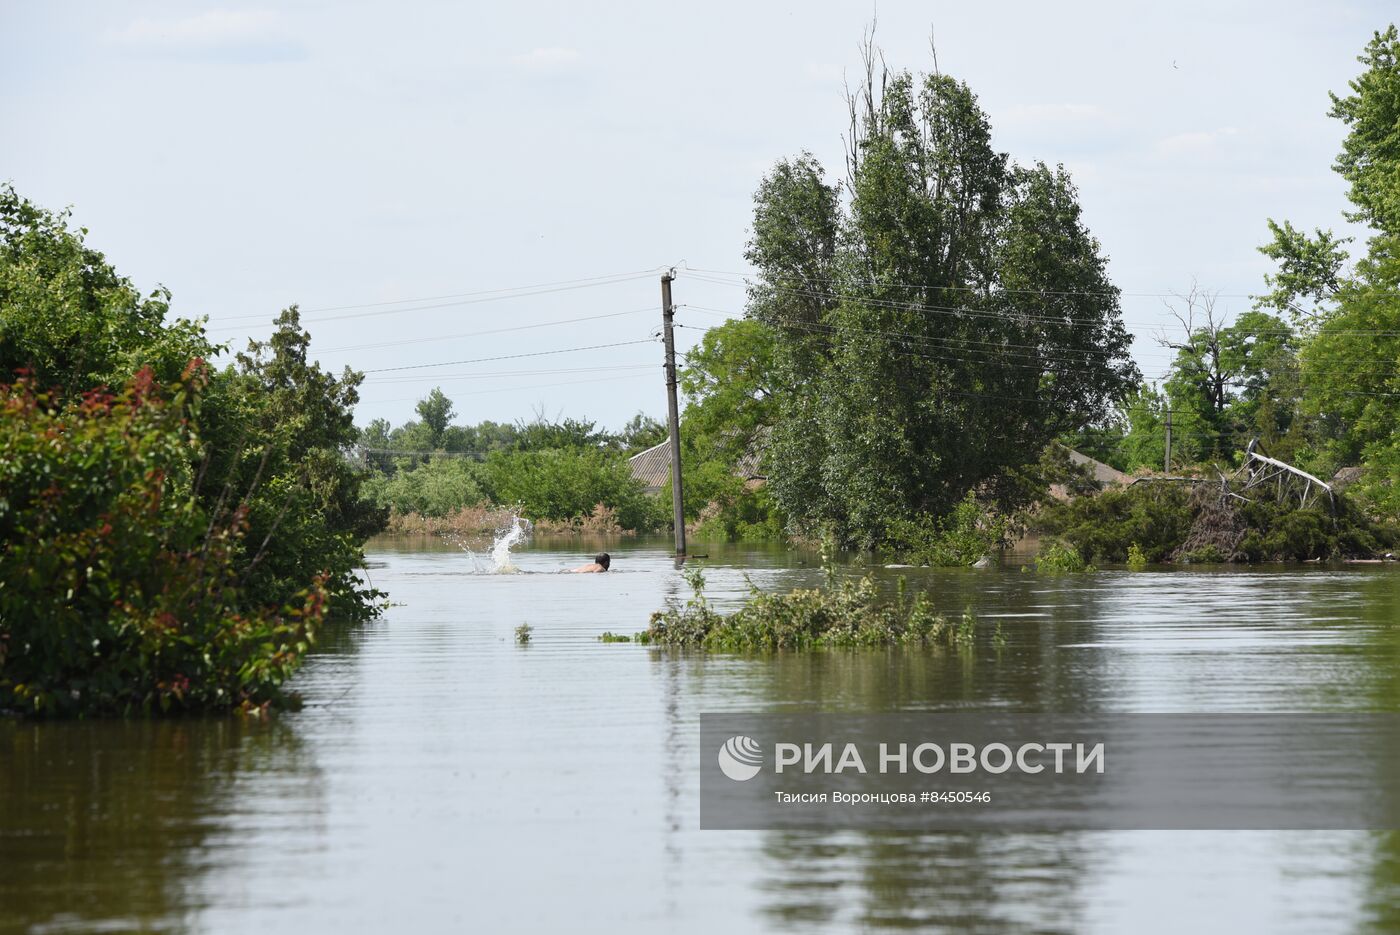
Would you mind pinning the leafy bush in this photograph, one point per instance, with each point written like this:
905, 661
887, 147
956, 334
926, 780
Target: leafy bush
568, 483
118, 593
725, 507
1137, 559
1163, 523
1056, 556
1155, 517
275, 424
847, 613
962, 537
69, 319
442, 486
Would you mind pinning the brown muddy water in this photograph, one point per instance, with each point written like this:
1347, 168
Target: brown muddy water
443, 777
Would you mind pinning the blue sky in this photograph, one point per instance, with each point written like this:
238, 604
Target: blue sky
334, 154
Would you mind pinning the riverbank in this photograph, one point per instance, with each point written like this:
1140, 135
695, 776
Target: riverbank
487, 520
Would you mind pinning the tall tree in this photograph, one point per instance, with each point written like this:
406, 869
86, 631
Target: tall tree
1350, 355
436, 412
934, 329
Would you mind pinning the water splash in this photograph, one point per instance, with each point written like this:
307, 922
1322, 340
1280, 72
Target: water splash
518, 531
496, 559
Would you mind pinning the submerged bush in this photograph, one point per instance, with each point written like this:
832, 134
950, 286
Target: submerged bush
1137, 559
1195, 524
118, 592
1056, 556
962, 537
848, 613
1154, 517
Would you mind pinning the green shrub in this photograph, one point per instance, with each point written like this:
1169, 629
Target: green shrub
1205, 555
740, 514
1137, 559
1056, 556
118, 593
1155, 517
845, 614
566, 484
962, 537
442, 486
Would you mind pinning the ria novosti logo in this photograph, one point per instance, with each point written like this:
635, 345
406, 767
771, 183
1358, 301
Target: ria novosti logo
740, 758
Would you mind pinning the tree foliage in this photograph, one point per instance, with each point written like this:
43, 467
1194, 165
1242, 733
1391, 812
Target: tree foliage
258, 471
69, 319
937, 327
1349, 357
119, 592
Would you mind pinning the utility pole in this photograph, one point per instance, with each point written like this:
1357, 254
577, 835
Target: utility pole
1167, 461
673, 420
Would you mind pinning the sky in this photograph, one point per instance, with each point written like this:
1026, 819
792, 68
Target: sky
456, 184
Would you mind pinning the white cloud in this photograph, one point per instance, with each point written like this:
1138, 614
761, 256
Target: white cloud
548, 59
223, 35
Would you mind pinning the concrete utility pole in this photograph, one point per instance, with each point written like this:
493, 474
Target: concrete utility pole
1167, 460
673, 420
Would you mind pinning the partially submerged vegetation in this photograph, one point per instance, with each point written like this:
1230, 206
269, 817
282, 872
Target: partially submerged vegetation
1158, 522
847, 613
172, 535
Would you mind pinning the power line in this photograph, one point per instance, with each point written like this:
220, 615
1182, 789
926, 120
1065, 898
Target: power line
993, 313
482, 360
997, 349
466, 298
476, 334
521, 389
1114, 291
387, 381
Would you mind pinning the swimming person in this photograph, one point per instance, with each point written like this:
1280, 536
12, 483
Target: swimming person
601, 561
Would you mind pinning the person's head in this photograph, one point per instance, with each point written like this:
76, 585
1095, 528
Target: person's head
604, 559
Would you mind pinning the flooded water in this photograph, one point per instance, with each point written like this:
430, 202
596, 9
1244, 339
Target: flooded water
443, 777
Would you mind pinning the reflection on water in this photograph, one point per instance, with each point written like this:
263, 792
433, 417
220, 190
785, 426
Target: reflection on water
444, 777
104, 826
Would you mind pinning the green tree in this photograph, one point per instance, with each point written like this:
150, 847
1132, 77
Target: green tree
442, 486
1348, 356
1371, 151
376, 434
69, 318
728, 385
568, 483
935, 332
436, 412
274, 422
640, 433
118, 592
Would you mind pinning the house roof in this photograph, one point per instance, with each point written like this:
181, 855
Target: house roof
653, 466
1103, 473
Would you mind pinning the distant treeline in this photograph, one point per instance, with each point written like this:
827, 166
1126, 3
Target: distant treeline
567, 471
